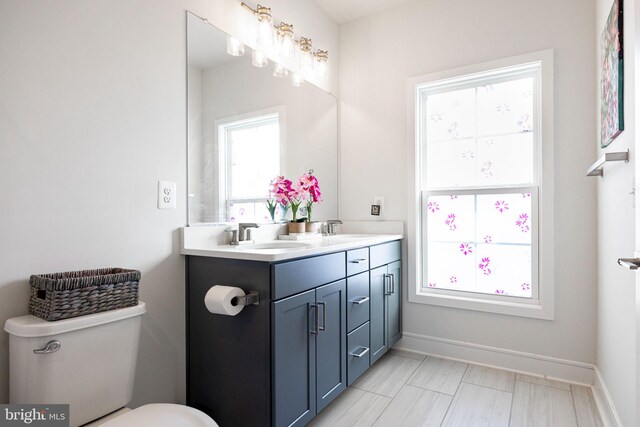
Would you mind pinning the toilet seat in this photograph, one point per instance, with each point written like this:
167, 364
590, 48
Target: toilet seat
162, 415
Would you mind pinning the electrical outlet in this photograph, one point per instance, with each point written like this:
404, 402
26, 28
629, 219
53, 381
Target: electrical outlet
166, 195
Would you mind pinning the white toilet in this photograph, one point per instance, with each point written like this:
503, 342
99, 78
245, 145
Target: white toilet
88, 362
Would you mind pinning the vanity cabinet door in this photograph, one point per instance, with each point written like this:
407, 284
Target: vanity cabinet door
378, 283
331, 343
294, 359
386, 297
394, 300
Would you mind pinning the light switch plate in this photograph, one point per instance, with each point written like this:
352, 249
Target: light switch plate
379, 200
166, 195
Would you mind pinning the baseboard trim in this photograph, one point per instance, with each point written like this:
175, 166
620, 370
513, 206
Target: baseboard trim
517, 361
604, 402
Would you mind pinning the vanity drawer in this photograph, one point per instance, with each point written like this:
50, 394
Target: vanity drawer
384, 253
292, 277
357, 300
357, 261
357, 353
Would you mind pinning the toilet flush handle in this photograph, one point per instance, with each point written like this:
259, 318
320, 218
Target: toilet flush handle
51, 347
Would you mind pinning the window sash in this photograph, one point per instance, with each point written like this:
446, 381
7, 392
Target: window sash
532, 70
535, 292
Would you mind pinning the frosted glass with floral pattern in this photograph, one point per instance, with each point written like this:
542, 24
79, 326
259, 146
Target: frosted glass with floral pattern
479, 243
480, 136
505, 107
451, 218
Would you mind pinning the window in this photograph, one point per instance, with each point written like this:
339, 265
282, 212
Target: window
249, 160
479, 153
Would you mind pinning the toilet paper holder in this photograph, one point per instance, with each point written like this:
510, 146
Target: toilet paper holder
251, 298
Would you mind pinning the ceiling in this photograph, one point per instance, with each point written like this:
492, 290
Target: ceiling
349, 10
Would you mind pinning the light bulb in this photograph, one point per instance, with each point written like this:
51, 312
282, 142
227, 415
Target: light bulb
306, 65
234, 46
287, 47
280, 71
321, 56
321, 69
306, 57
259, 59
296, 79
265, 32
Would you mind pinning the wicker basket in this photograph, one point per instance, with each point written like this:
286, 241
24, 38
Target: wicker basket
76, 293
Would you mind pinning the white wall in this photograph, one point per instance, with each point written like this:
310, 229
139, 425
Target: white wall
92, 115
380, 52
616, 328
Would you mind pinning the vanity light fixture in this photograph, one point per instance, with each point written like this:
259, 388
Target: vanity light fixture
234, 46
265, 23
296, 79
279, 71
286, 47
286, 40
322, 56
259, 59
306, 56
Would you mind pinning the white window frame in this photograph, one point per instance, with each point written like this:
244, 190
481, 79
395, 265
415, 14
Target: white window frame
541, 306
222, 127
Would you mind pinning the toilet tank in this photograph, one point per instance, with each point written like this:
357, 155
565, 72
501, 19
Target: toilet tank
93, 369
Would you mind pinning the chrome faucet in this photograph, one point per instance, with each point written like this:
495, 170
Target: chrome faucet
331, 226
243, 230
239, 236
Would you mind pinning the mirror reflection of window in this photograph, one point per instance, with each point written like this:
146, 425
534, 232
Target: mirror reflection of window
249, 159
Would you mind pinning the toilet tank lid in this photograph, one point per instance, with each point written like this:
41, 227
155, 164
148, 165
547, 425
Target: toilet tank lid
32, 326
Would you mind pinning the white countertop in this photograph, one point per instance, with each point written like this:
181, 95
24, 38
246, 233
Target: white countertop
280, 250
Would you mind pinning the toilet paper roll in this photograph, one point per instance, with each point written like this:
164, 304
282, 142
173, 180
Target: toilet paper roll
218, 300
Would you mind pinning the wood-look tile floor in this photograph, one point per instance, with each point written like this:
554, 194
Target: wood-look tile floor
408, 390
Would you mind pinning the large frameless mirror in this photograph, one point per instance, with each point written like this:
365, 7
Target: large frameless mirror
246, 126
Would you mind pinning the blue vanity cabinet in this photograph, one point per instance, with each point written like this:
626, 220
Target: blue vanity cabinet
309, 333
309, 353
386, 298
281, 362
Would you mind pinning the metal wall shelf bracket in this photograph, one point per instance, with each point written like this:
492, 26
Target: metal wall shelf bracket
596, 169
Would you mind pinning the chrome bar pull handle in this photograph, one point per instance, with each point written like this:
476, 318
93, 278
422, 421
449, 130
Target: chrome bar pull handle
324, 316
316, 318
50, 347
629, 263
387, 284
393, 283
358, 261
359, 300
363, 351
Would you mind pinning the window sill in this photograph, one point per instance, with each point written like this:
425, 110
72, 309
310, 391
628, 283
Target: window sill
533, 310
